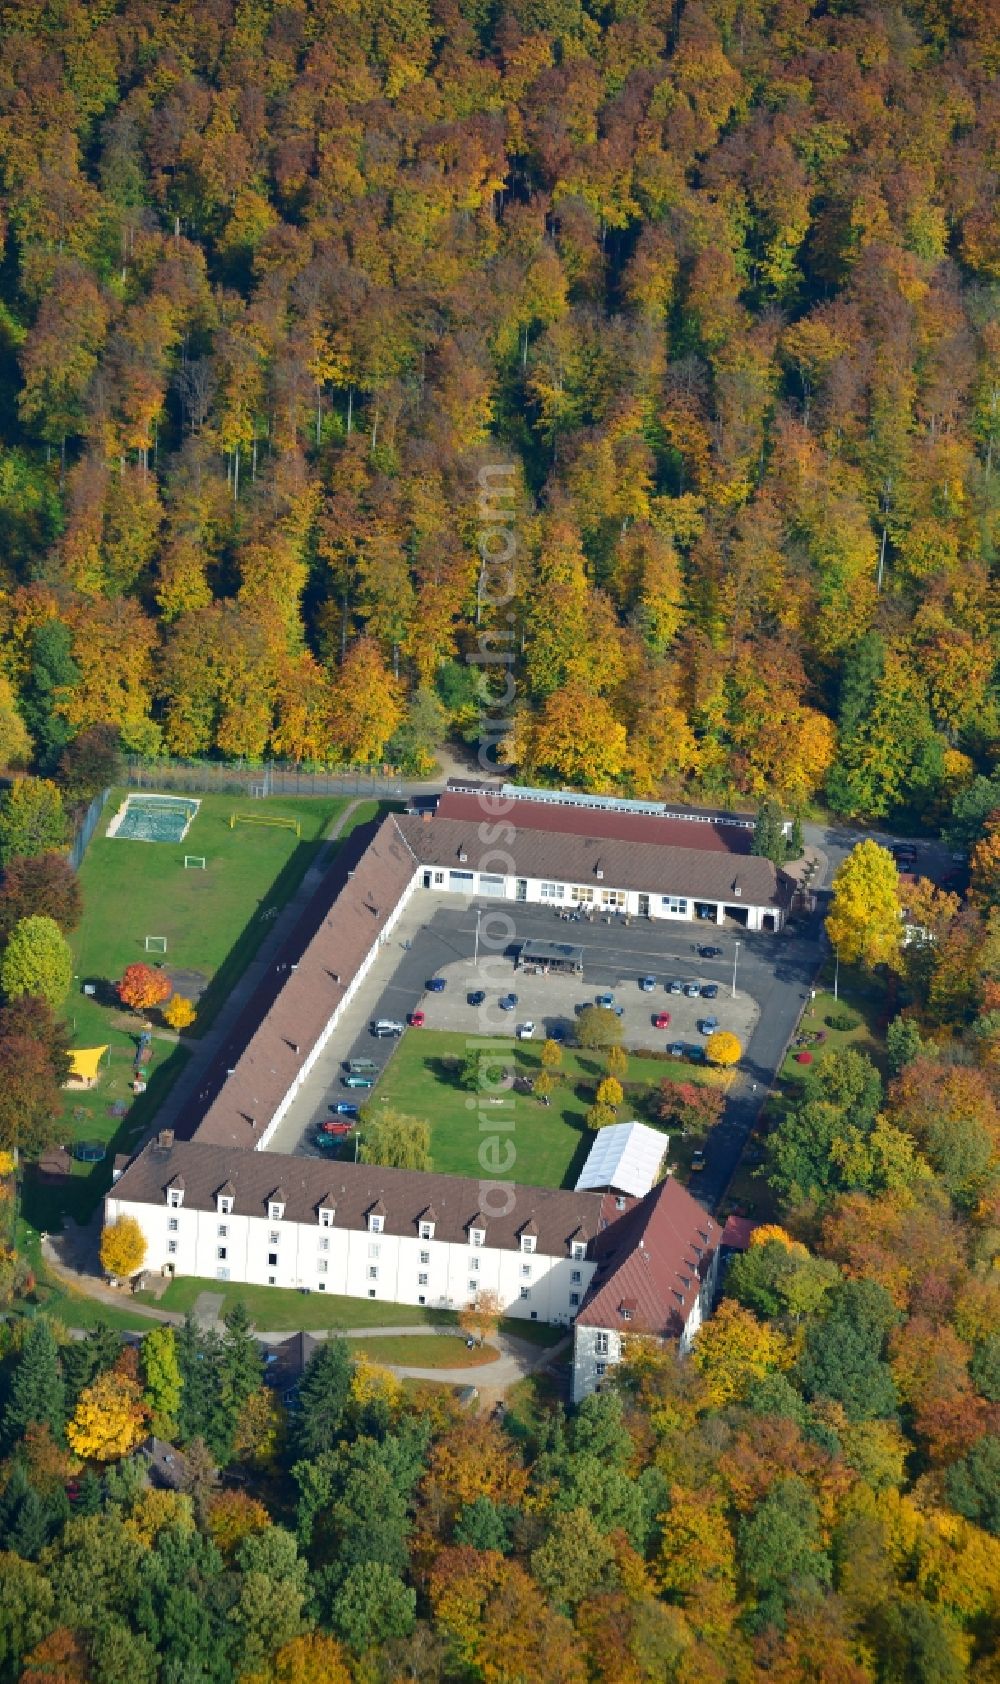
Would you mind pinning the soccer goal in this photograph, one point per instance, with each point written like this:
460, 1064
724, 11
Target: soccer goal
156, 944
264, 818
194, 862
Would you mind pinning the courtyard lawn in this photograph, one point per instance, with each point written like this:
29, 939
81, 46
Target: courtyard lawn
551, 1142
424, 1350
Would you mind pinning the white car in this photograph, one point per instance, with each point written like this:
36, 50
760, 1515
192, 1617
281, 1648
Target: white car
525, 1031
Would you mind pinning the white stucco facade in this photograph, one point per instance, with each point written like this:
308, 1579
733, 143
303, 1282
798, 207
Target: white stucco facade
357, 1262
597, 1349
599, 897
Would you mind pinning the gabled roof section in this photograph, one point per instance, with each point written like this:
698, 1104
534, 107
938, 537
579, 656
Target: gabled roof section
652, 1262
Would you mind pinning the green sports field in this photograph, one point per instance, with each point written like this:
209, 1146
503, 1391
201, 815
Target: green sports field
214, 921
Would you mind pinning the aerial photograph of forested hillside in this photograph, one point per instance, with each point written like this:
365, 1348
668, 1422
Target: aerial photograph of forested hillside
401, 399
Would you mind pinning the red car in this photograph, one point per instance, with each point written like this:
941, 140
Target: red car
661, 1020
337, 1128
416, 1020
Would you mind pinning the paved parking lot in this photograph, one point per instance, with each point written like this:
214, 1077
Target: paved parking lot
437, 937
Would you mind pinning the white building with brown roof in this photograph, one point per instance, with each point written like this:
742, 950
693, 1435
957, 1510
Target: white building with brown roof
397, 1236
656, 1274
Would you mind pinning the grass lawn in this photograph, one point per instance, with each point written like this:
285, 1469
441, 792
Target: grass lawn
277, 1309
214, 921
551, 1142
424, 1350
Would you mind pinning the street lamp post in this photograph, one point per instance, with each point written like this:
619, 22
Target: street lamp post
475, 952
736, 954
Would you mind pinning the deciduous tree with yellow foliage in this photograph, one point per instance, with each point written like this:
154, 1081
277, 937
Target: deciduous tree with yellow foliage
865, 924
110, 1419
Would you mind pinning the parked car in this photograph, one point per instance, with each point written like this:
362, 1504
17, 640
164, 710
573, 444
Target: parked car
710, 991
708, 1025
525, 1031
358, 1081
558, 1032
477, 997
508, 1002
337, 1129
384, 1026
361, 1067
647, 984
661, 1020
344, 1108
696, 1054
677, 1049
604, 1000
697, 1161
710, 952
676, 986
416, 1020
692, 990
326, 1141
437, 985
707, 912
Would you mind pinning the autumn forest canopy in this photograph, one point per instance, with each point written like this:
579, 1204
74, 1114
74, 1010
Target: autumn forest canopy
718, 282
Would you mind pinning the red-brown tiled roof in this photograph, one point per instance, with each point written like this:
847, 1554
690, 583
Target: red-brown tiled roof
456, 844
703, 834
737, 1231
286, 1016
652, 1262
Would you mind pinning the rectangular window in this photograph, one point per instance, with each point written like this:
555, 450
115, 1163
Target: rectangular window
422, 1299
602, 1344
577, 1251
326, 1218
171, 1247
275, 1212
222, 1252
477, 1236
425, 1257
527, 1242
321, 1285
222, 1274
582, 892
613, 897
273, 1237
526, 1271
439, 876
575, 1276
626, 1315
272, 1259
371, 1292
323, 1267
525, 1292
172, 1224
473, 1287
474, 1262
174, 1198
574, 1299
620, 1202
421, 1280
426, 1230
373, 1271
375, 1224
675, 903
602, 1368
553, 891
272, 1280
223, 1230
324, 1245
225, 1206
374, 1250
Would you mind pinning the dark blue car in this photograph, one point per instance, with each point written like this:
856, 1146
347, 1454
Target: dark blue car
343, 1109
437, 985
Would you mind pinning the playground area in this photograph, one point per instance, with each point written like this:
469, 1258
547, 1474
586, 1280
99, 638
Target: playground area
153, 818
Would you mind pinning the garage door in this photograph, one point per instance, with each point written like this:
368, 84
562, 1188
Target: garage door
490, 885
460, 879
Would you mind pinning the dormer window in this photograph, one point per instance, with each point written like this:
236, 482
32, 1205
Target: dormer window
375, 1223
527, 1242
326, 1216
426, 1230
275, 1210
626, 1314
175, 1197
578, 1250
477, 1236
225, 1204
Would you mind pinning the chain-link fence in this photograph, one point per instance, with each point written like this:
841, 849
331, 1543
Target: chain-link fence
273, 778
85, 829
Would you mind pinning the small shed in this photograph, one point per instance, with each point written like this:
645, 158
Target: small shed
544, 956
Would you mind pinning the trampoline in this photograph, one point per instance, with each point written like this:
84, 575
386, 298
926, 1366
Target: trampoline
90, 1151
153, 818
